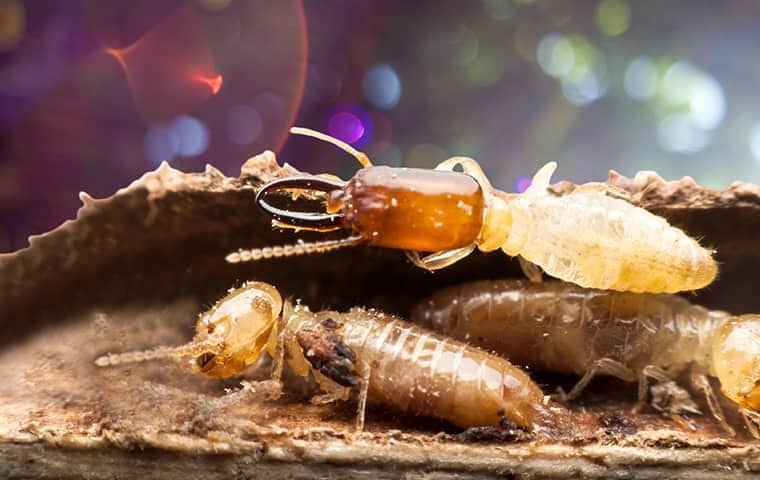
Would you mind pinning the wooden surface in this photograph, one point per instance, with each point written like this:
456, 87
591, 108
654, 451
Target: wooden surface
134, 270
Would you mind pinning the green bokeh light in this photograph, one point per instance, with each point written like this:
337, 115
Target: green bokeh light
613, 17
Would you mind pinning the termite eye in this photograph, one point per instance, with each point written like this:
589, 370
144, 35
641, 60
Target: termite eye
204, 360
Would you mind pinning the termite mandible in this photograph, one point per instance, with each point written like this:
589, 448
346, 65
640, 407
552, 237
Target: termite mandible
586, 237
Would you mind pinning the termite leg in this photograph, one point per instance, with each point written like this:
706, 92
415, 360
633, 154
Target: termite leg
673, 401
333, 391
287, 348
470, 166
438, 260
752, 420
605, 366
278, 358
650, 371
534, 273
365, 370
702, 383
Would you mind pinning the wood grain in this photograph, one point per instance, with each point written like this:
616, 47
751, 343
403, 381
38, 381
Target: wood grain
133, 270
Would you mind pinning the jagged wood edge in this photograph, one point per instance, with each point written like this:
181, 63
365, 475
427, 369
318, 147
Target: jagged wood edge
313, 453
57, 251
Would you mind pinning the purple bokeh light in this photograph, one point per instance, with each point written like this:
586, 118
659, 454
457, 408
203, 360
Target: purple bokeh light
522, 184
345, 126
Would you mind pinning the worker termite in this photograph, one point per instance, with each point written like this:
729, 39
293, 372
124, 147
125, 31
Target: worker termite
586, 237
390, 361
563, 328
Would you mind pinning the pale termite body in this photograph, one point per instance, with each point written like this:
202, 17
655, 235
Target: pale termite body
586, 237
388, 360
560, 327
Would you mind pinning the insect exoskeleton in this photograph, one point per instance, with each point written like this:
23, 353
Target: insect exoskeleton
586, 237
229, 336
560, 327
388, 360
599, 241
736, 362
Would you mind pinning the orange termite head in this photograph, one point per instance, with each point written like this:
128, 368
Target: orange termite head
243, 322
736, 361
404, 208
411, 208
229, 336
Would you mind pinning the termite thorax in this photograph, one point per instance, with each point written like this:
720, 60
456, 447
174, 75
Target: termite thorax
410, 208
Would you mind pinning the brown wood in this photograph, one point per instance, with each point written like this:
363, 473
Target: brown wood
133, 270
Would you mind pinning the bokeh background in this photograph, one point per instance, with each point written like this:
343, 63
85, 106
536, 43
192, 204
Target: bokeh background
95, 93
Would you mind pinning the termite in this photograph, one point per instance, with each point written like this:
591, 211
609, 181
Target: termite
563, 328
586, 237
388, 360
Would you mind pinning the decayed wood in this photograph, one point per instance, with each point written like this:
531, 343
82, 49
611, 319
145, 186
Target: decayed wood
133, 270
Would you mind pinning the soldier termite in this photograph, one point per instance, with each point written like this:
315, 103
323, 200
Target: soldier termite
563, 328
586, 237
390, 361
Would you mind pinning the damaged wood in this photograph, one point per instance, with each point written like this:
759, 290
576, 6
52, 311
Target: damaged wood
133, 271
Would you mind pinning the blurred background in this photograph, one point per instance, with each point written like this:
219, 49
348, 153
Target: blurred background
95, 93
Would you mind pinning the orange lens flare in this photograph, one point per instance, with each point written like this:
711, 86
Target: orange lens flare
171, 69
214, 83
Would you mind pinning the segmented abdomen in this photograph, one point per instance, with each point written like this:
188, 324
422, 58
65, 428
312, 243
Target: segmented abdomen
561, 327
420, 372
598, 241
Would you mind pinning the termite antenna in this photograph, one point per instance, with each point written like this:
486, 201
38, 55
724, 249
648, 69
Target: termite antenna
188, 350
360, 156
255, 254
